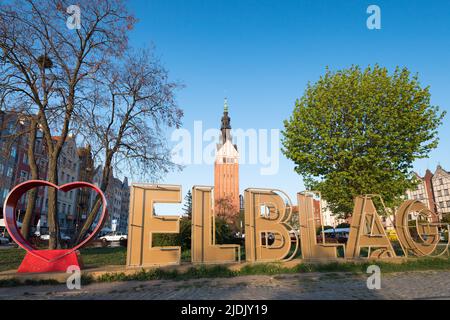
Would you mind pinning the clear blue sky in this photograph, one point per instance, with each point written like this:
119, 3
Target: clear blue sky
261, 54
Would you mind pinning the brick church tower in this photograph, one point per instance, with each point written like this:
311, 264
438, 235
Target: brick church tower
226, 172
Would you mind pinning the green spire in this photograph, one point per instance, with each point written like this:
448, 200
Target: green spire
225, 105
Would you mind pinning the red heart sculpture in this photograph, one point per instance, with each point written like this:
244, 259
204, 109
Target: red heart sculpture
9, 215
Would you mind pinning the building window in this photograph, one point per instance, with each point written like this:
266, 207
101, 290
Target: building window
446, 192
448, 204
441, 204
9, 172
439, 193
13, 152
5, 193
441, 181
23, 175
10, 128
25, 159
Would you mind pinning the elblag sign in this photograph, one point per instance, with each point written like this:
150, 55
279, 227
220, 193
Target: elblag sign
267, 212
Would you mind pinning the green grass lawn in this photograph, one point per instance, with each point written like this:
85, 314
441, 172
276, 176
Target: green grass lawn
92, 257
98, 257
11, 258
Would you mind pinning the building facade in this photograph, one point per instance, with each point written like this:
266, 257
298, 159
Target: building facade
433, 190
8, 155
118, 198
226, 172
122, 224
23, 169
67, 172
84, 195
14, 162
441, 188
424, 190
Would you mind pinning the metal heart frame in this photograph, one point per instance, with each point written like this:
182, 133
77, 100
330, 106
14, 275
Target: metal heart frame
9, 214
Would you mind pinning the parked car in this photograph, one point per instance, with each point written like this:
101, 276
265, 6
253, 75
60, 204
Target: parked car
329, 238
64, 237
4, 240
338, 235
115, 236
44, 237
47, 237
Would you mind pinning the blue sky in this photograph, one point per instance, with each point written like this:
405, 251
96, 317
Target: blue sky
261, 54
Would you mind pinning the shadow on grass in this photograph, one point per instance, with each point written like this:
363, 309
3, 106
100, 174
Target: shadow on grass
220, 271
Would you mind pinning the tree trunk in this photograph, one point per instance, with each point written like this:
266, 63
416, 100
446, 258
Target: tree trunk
98, 202
32, 194
52, 215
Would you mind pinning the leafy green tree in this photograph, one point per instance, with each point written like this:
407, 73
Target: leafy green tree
182, 238
359, 131
187, 208
224, 232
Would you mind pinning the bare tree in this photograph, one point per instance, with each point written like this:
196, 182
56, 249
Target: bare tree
132, 105
32, 195
52, 67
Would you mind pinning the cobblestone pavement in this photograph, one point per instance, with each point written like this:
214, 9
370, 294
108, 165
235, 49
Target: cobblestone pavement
407, 285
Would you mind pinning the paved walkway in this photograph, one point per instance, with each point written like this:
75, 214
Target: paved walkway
408, 285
